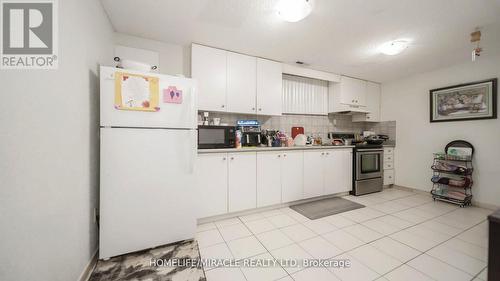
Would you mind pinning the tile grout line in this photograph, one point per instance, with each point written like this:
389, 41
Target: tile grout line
361, 223
425, 252
421, 253
320, 235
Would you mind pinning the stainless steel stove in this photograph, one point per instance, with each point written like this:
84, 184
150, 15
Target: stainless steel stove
368, 166
368, 175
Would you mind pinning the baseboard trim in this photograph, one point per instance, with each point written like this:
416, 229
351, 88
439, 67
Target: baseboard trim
474, 202
266, 208
89, 268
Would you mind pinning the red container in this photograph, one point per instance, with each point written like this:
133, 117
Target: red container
297, 131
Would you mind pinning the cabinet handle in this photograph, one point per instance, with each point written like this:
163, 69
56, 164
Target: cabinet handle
223, 158
322, 153
253, 108
284, 155
260, 109
222, 106
367, 117
232, 158
353, 100
328, 153
279, 155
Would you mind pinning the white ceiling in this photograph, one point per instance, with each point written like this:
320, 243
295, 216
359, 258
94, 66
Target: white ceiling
339, 36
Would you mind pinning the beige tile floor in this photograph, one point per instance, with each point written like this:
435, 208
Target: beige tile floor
399, 236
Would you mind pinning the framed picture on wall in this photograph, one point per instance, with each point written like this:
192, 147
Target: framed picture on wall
471, 101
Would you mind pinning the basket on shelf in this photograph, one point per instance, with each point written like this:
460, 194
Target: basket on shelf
452, 174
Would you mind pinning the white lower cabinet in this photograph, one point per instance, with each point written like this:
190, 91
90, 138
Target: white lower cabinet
338, 171
327, 172
313, 173
269, 178
341, 168
279, 177
292, 176
242, 180
389, 174
211, 184
232, 182
388, 177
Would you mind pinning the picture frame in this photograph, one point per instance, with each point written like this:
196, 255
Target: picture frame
464, 102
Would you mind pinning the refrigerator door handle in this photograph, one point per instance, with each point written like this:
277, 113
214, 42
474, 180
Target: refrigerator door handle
193, 142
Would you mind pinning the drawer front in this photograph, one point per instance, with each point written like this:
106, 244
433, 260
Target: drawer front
389, 158
388, 177
388, 165
388, 150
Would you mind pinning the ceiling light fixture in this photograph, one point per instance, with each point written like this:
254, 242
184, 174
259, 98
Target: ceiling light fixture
294, 10
394, 47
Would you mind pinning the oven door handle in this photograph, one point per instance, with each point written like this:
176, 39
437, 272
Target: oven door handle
367, 149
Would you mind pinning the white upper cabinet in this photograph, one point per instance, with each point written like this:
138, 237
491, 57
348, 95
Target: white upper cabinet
269, 87
241, 83
208, 67
372, 104
232, 82
352, 91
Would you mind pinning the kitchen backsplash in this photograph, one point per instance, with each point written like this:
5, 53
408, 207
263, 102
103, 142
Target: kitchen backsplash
313, 124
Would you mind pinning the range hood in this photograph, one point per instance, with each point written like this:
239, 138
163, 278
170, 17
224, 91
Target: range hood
350, 110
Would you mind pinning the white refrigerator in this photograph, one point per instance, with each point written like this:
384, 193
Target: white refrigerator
146, 167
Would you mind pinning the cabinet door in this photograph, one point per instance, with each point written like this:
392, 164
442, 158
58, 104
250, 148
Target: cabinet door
211, 184
343, 159
373, 102
352, 91
208, 67
313, 173
332, 172
269, 87
268, 178
338, 171
388, 177
241, 83
242, 181
292, 176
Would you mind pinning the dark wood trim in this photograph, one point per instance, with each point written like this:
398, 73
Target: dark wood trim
494, 100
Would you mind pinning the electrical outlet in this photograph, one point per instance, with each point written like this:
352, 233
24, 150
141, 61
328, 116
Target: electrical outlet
334, 122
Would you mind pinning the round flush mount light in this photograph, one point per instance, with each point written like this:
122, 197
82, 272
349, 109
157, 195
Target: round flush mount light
395, 47
294, 10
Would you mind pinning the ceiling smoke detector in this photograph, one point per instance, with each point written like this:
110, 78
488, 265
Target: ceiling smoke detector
395, 47
294, 10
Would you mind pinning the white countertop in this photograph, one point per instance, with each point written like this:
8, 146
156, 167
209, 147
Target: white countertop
266, 148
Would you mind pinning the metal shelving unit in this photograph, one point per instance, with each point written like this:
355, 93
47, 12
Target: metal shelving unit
452, 176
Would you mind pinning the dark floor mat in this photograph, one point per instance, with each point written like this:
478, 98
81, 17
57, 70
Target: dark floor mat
325, 207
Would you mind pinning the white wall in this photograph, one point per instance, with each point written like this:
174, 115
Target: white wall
407, 102
174, 59
49, 153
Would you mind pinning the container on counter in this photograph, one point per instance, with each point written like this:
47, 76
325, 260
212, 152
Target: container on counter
238, 139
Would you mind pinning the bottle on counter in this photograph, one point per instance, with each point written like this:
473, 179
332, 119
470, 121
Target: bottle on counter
238, 139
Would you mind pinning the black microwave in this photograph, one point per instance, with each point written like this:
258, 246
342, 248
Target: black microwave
216, 137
